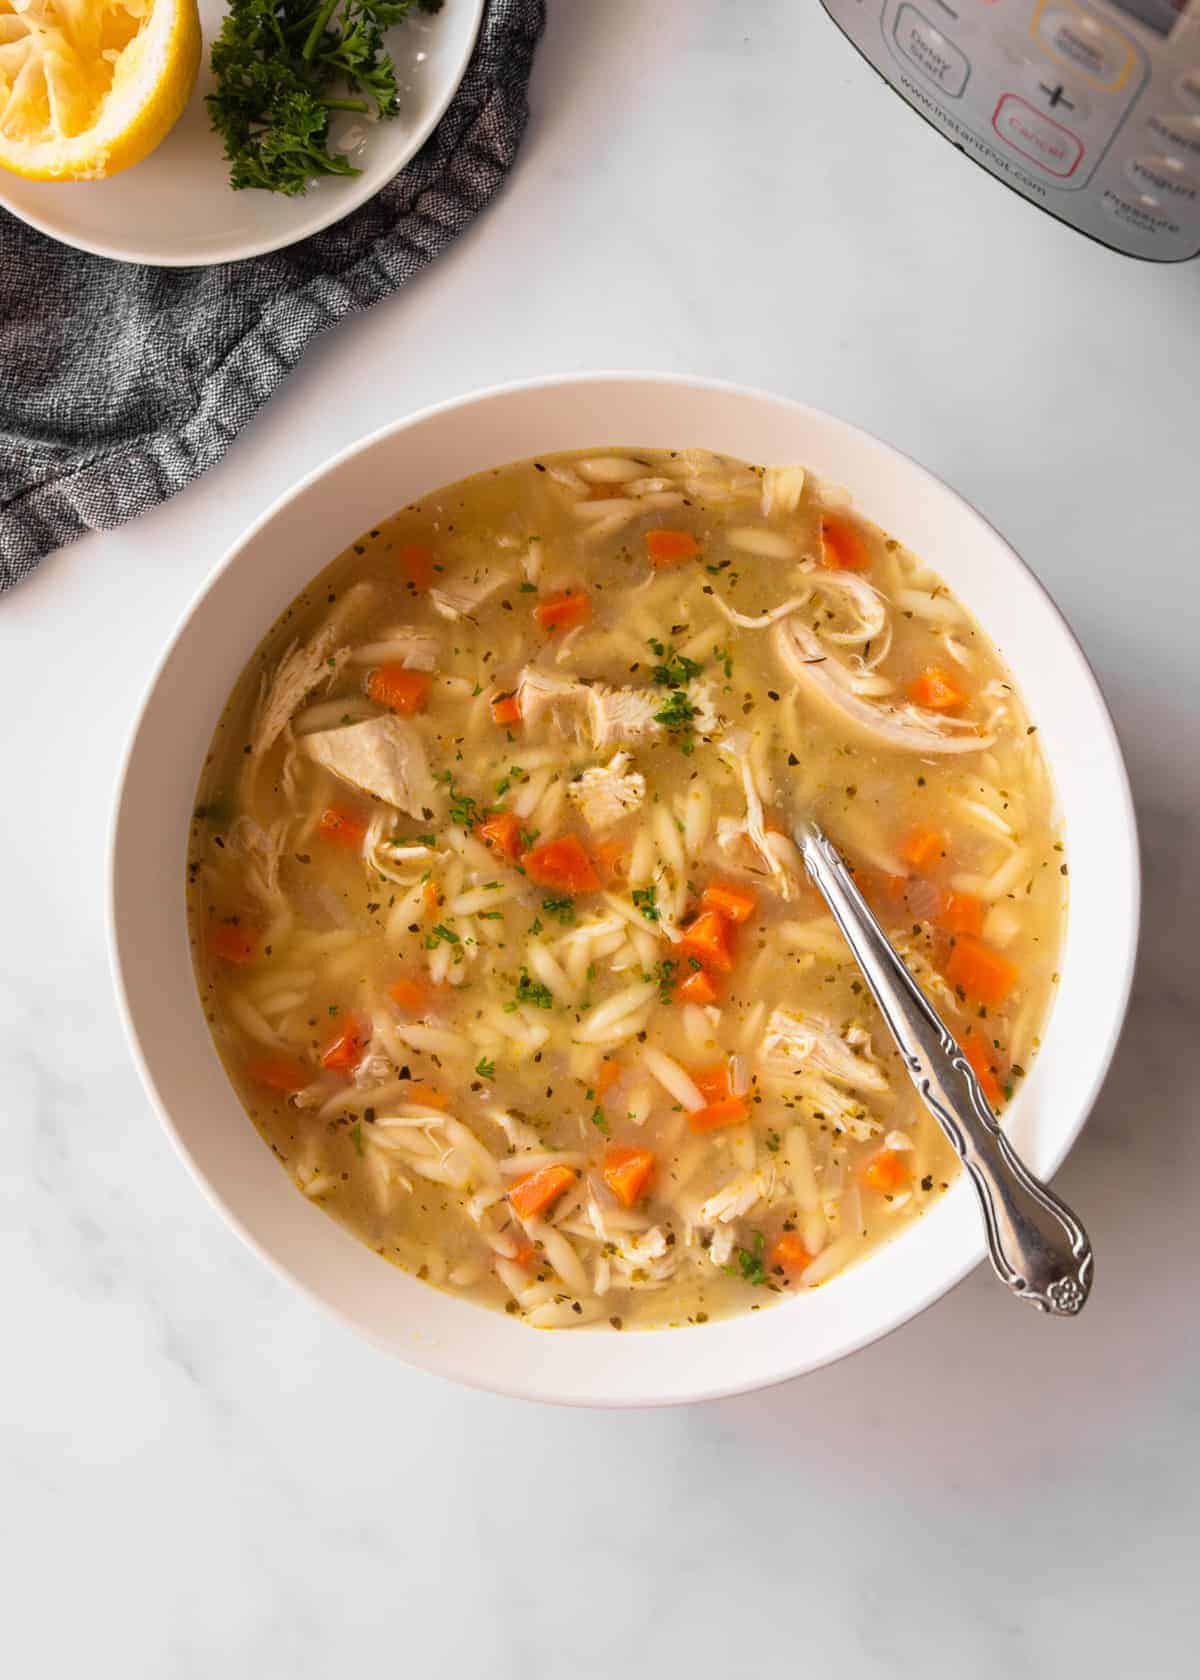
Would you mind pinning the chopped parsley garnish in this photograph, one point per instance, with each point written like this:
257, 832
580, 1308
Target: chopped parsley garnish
532, 992
562, 909
441, 933
676, 669
356, 1138
749, 1262
464, 811
599, 1121
485, 1069
515, 774
664, 978
644, 899
677, 712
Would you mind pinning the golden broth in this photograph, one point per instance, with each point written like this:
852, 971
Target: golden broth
495, 916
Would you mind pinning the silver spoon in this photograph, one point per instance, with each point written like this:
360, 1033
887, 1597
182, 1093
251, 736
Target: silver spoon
1036, 1244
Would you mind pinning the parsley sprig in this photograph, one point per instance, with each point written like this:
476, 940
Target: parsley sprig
283, 66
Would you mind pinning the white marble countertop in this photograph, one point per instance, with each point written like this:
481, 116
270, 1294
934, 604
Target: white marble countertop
202, 1475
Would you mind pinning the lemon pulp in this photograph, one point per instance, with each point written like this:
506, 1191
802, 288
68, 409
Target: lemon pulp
89, 87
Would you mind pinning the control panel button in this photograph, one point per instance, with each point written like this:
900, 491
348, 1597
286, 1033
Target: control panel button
1090, 46
1035, 136
932, 53
1141, 211
1045, 86
1182, 133
1165, 178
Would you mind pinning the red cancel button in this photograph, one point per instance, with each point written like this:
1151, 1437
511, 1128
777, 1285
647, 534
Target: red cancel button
1033, 135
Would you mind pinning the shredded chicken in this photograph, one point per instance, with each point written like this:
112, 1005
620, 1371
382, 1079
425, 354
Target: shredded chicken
462, 599
263, 850
830, 683
734, 1199
746, 840
794, 1041
303, 668
383, 756
606, 793
609, 716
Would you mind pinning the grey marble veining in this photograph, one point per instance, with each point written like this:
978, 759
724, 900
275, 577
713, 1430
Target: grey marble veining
202, 1475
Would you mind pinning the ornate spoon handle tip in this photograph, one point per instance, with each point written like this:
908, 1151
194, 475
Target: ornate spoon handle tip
1036, 1244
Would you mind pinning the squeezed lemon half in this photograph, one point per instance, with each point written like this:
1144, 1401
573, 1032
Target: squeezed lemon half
89, 87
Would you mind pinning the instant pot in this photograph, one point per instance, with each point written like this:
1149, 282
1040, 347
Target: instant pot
1090, 109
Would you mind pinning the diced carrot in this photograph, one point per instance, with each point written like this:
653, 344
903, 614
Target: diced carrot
709, 938
627, 1171
343, 825
923, 847
416, 562
233, 942
788, 1254
562, 864
961, 913
279, 1073
697, 986
886, 1172
880, 888
608, 1075
506, 708
428, 1096
713, 1082
345, 1049
610, 859
411, 997
666, 547
431, 897
534, 1192
981, 973
399, 689
736, 904
842, 545
502, 832
730, 1111
525, 1254
936, 690
564, 611
980, 1055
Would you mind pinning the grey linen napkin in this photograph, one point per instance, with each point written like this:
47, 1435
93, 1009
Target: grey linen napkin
120, 384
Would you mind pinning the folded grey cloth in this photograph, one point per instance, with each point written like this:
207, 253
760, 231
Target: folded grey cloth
120, 384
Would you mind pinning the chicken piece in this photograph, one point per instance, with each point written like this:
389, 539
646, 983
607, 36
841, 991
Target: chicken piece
825, 680
464, 597
262, 848
303, 668
606, 716
707, 721
747, 841
606, 793
734, 1199
383, 756
792, 1042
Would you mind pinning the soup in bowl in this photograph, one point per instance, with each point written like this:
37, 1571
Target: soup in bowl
497, 923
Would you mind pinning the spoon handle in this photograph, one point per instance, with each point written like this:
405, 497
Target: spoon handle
1036, 1244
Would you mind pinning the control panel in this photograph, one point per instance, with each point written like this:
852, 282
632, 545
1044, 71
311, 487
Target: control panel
1088, 108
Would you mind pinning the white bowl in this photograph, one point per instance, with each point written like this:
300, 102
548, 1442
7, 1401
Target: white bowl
220, 630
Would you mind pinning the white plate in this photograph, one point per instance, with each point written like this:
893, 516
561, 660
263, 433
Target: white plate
177, 209
163, 1012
